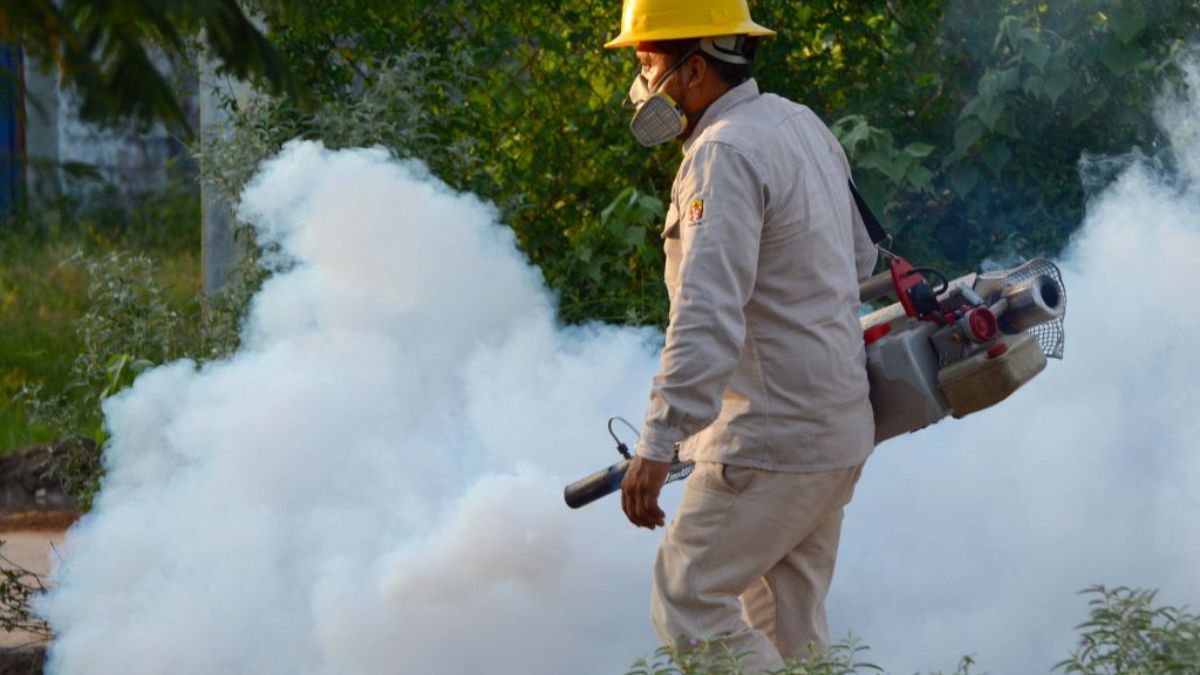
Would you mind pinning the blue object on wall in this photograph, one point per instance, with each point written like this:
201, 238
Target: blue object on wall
12, 131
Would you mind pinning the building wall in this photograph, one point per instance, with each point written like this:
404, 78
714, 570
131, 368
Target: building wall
127, 160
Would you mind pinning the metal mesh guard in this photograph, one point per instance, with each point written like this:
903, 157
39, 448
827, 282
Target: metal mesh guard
680, 470
1050, 335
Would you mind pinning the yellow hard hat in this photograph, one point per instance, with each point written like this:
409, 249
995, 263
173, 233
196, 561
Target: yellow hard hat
653, 20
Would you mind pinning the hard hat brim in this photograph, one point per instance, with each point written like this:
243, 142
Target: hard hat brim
632, 38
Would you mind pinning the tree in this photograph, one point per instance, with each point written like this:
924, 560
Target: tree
107, 49
964, 121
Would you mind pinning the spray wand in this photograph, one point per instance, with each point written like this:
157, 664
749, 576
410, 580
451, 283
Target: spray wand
607, 481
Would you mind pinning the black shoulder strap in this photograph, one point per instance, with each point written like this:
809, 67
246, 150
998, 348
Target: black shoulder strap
874, 229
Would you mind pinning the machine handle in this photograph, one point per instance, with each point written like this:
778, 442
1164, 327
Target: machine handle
875, 287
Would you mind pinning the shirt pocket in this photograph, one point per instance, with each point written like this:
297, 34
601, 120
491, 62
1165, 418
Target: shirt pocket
673, 250
671, 227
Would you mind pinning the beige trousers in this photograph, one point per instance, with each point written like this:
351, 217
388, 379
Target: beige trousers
748, 559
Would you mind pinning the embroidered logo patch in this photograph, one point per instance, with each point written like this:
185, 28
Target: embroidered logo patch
695, 211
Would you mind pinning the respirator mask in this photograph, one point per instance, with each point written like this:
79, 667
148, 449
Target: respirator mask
657, 117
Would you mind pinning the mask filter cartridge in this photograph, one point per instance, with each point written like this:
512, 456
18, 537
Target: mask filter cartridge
657, 120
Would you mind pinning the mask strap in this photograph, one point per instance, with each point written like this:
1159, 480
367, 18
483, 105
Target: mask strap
662, 81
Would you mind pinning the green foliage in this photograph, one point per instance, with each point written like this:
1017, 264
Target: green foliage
110, 51
388, 110
705, 657
40, 298
872, 149
1058, 80
715, 658
1126, 633
1006, 96
130, 324
619, 256
522, 108
38, 301
964, 120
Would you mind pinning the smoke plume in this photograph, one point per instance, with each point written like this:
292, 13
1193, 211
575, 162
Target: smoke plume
372, 484
970, 537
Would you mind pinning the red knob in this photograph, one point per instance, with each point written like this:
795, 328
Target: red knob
983, 324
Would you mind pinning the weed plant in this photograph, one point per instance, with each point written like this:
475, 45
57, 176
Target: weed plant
1125, 634
130, 323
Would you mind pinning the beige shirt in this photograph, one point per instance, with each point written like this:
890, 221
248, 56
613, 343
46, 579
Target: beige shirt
764, 364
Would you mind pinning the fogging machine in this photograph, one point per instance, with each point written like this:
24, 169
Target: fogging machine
939, 351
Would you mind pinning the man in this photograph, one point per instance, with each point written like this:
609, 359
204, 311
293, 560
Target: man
763, 379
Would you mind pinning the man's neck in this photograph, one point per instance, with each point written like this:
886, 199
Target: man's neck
694, 119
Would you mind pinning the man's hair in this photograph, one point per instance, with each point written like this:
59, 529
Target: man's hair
731, 74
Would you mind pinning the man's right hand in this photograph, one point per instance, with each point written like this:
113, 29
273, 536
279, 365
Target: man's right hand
639, 492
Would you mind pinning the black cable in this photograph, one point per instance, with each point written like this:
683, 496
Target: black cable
621, 447
931, 271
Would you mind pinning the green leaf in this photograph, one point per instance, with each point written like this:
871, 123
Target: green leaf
918, 150
1127, 20
967, 134
893, 166
1007, 125
1036, 53
1084, 107
990, 110
651, 207
622, 199
633, 235
919, 177
963, 178
1121, 57
1011, 28
852, 131
116, 365
996, 156
1056, 84
116, 369
1034, 85
1008, 79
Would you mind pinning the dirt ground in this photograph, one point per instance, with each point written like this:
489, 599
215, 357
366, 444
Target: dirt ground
34, 517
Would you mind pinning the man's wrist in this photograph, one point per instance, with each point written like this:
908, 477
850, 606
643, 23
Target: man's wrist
656, 444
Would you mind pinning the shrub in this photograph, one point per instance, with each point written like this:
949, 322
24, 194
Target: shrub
1125, 634
129, 325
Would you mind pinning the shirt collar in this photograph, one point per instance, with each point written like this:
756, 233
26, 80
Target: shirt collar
717, 109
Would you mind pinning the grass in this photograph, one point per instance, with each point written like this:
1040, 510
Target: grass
42, 294
39, 298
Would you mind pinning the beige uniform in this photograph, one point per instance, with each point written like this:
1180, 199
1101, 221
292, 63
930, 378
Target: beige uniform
763, 378
764, 362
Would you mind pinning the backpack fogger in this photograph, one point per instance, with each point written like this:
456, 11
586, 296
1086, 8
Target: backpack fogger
952, 350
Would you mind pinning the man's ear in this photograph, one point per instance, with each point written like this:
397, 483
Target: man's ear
697, 67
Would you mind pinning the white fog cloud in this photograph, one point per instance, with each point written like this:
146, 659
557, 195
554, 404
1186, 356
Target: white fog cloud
372, 484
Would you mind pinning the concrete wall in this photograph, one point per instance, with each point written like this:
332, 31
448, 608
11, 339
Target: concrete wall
130, 160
